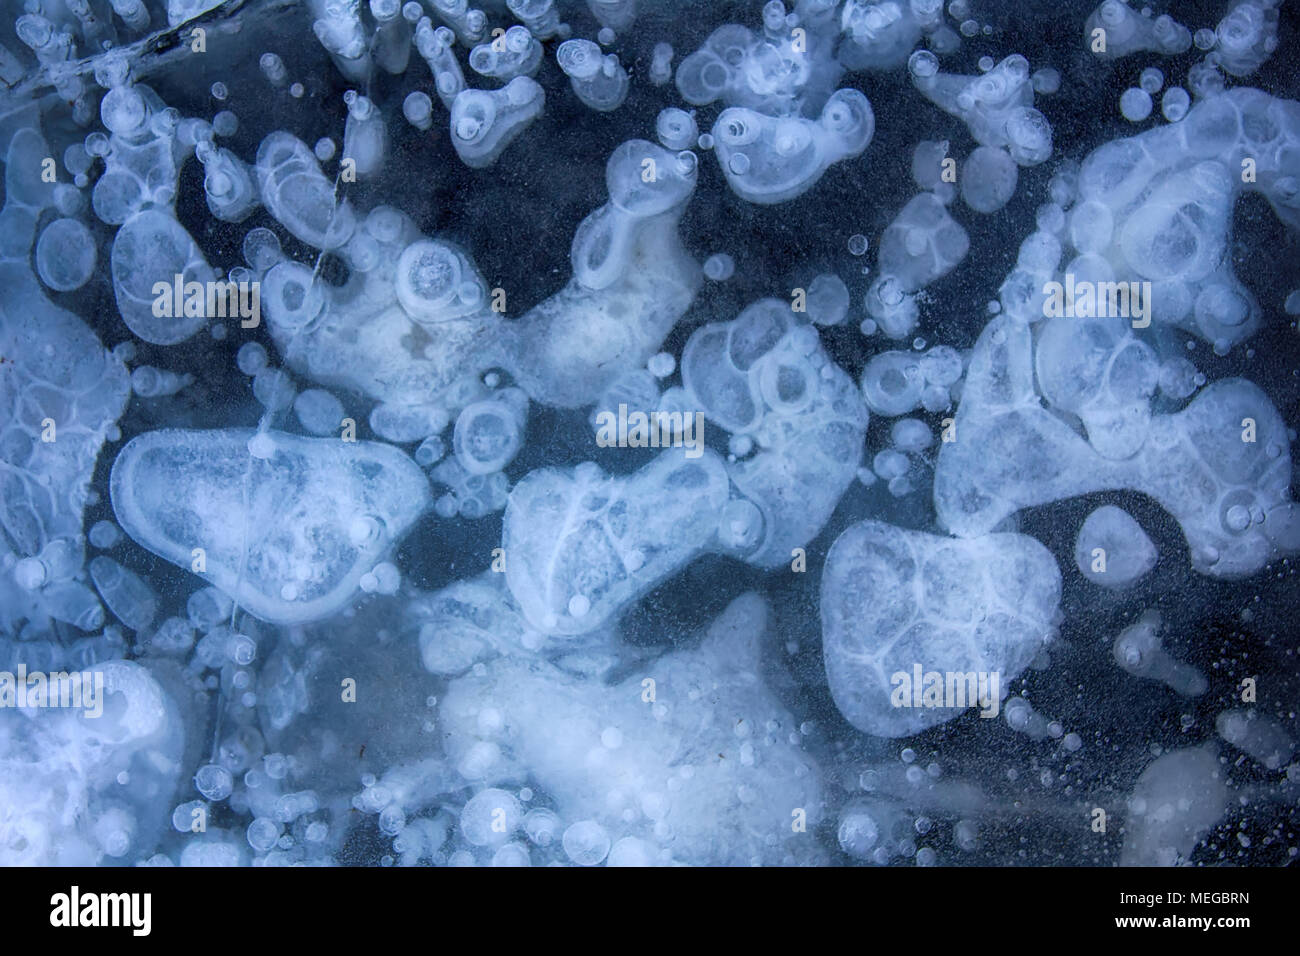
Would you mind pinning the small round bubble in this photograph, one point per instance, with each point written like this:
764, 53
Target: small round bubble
923, 64
1175, 103
263, 834
719, 267
225, 124
251, 358
586, 843
1135, 104
661, 364
214, 782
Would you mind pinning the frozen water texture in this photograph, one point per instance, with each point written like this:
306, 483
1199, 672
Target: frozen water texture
895, 599
288, 535
574, 664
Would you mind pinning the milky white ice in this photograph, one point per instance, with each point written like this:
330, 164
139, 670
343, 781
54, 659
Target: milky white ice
893, 600
286, 525
62, 802
700, 769
371, 562
1112, 549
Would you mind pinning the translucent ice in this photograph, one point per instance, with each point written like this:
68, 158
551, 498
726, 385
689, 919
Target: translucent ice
687, 768
598, 79
771, 160
540, 16
828, 299
150, 250
475, 620
409, 327
632, 281
661, 64
65, 255
582, 546
365, 141
342, 34
298, 195
1099, 370
1157, 207
1125, 30
288, 536
490, 433
997, 106
227, 182
615, 14
922, 244
61, 798
392, 43
484, 123
676, 128
1227, 448
895, 600
514, 53
1247, 36
988, 180
780, 72
318, 411
142, 157
125, 593
436, 48
1264, 739
767, 377
470, 24
1138, 650
881, 35
893, 383
1112, 549
1177, 800
60, 394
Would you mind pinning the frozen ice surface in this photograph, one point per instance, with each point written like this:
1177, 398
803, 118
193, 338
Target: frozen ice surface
632, 280
313, 326
61, 798
1178, 798
1227, 447
775, 159
484, 123
582, 545
894, 600
696, 772
288, 535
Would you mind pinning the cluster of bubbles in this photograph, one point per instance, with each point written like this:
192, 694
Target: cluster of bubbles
309, 684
